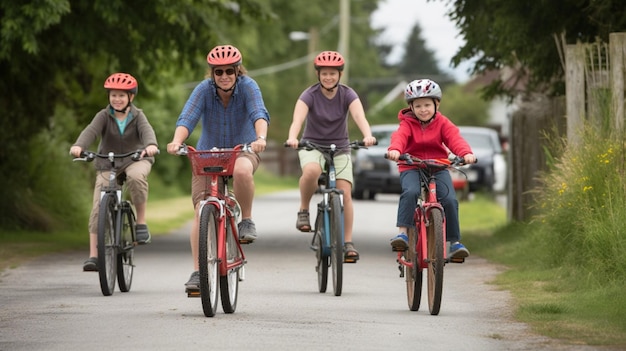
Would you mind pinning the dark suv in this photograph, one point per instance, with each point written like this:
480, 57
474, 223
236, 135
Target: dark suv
373, 173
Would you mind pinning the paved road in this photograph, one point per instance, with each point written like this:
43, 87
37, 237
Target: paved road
50, 304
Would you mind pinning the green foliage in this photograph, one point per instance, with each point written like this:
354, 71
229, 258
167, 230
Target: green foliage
463, 107
583, 206
521, 34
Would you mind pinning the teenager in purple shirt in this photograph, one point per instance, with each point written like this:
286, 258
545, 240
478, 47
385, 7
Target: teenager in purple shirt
231, 109
325, 107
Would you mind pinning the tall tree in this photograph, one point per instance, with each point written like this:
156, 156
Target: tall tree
418, 60
521, 34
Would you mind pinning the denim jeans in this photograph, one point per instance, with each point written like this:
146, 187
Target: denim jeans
410, 182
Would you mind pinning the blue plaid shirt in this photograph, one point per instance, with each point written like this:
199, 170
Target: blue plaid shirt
224, 127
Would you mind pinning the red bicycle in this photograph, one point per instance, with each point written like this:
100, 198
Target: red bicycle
427, 240
220, 249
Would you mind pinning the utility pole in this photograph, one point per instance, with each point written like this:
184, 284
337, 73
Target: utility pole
344, 36
313, 40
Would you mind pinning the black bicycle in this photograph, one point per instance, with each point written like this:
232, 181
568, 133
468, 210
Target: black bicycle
116, 226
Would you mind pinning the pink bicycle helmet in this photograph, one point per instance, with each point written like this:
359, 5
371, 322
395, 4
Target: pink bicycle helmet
121, 81
224, 55
422, 88
329, 59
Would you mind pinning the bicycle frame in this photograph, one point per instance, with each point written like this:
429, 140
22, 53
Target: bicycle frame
220, 202
115, 254
427, 203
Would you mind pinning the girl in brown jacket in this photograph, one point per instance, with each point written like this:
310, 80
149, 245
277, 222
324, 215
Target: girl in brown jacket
122, 128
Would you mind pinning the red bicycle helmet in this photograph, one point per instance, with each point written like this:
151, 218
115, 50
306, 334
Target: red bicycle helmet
224, 55
121, 81
329, 59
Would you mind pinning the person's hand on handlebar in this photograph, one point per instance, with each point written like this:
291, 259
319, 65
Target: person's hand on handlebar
173, 147
292, 143
75, 151
369, 141
150, 150
393, 155
469, 159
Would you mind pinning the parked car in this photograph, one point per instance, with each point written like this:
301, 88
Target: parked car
373, 174
490, 172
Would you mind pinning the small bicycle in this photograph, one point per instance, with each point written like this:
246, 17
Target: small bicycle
427, 240
328, 235
221, 255
116, 227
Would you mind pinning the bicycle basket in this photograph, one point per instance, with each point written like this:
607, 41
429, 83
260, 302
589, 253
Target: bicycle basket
213, 162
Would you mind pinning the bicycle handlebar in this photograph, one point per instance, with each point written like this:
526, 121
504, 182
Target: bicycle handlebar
409, 159
183, 149
88, 156
309, 145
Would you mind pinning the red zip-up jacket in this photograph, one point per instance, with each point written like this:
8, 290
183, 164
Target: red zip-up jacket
427, 141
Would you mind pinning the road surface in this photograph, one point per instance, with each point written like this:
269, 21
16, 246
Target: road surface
50, 304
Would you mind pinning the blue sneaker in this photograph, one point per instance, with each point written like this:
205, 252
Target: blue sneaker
400, 242
458, 250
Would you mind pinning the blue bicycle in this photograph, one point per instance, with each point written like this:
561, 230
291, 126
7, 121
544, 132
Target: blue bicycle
328, 236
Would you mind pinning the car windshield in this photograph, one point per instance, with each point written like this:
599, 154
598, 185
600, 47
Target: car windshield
479, 141
383, 137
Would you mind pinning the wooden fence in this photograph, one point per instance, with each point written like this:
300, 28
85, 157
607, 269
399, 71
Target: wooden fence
594, 80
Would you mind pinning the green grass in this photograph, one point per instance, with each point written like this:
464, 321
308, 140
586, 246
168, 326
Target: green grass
164, 215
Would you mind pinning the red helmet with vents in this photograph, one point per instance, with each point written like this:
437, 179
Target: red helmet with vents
121, 81
224, 55
329, 59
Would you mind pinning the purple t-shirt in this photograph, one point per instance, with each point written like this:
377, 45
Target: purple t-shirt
327, 121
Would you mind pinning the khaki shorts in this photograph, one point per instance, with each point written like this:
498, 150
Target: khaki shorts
201, 185
343, 163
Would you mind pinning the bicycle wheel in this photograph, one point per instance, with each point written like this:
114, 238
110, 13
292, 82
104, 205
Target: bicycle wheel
322, 260
413, 275
107, 251
336, 242
229, 284
125, 262
208, 260
434, 234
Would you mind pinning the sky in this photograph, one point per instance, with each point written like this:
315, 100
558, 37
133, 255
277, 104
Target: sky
398, 17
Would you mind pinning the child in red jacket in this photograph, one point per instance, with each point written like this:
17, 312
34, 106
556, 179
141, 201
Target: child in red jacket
425, 133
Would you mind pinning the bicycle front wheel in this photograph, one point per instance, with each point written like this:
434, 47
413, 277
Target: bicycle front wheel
229, 284
322, 260
336, 242
125, 257
413, 275
107, 260
435, 247
208, 260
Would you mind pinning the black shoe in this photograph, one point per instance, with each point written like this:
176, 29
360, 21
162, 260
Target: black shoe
91, 265
194, 282
142, 234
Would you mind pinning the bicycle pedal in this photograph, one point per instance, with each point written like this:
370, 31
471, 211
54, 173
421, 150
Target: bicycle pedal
397, 249
457, 259
245, 242
193, 293
349, 260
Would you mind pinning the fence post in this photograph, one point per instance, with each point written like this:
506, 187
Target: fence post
617, 46
574, 90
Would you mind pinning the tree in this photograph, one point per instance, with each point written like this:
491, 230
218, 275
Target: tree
54, 56
418, 60
521, 34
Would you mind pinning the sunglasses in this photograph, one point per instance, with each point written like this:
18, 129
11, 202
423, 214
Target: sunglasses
229, 71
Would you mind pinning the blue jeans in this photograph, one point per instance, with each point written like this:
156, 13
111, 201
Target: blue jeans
410, 182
